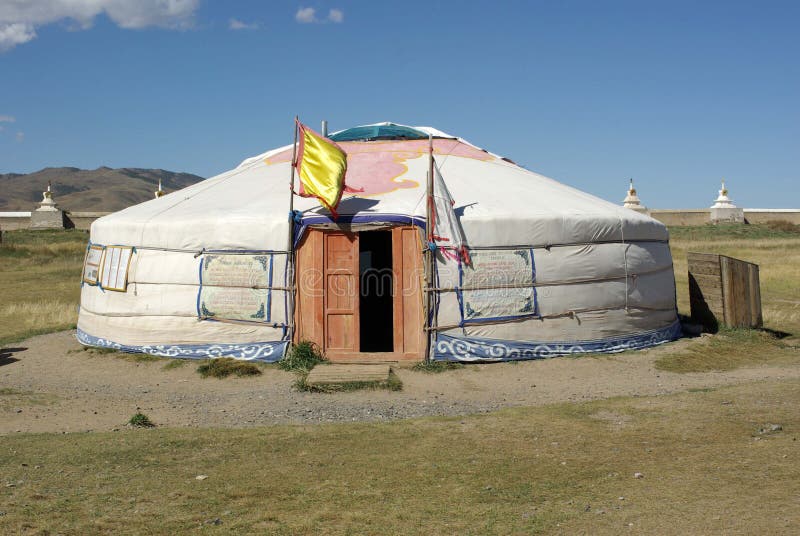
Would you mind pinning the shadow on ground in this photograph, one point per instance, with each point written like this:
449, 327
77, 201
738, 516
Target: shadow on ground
7, 355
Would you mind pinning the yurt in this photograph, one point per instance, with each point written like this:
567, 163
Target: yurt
513, 266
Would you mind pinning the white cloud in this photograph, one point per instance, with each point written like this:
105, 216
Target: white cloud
20, 136
15, 34
236, 24
20, 18
308, 15
336, 15
143, 13
7, 119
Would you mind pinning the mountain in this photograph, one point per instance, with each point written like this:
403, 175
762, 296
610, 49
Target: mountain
99, 190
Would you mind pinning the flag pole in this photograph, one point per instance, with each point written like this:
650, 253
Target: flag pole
430, 256
290, 245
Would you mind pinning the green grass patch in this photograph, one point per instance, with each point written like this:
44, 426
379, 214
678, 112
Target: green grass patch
727, 350
173, 364
100, 350
226, 366
555, 470
436, 367
700, 389
136, 357
302, 357
140, 420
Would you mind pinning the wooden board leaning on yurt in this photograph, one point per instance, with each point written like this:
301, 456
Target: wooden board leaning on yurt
724, 290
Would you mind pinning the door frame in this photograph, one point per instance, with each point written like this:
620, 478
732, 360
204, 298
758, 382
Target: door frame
408, 316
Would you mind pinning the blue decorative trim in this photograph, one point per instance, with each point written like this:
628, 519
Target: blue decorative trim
269, 292
533, 280
346, 219
460, 293
471, 349
268, 352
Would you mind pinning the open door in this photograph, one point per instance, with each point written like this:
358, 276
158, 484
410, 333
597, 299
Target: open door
360, 294
341, 300
376, 296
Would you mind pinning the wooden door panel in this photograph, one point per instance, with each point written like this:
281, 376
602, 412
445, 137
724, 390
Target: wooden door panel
341, 293
407, 261
339, 331
339, 252
309, 281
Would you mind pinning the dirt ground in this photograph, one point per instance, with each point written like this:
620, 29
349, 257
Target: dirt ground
48, 385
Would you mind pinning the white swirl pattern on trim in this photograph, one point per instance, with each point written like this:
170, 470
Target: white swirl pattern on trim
268, 352
478, 349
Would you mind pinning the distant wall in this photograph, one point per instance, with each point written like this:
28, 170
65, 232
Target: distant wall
83, 220
699, 216
702, 216
12, 221
763, 215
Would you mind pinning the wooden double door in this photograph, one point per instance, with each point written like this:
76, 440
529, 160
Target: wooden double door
359, 294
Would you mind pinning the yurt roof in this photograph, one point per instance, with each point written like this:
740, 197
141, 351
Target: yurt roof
499, 203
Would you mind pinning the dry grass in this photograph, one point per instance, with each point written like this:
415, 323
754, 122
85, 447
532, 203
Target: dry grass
13, 398
39, 317
39, 282
711, 465
729, 349
784, 226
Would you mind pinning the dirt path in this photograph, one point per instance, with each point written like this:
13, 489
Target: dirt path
47, 385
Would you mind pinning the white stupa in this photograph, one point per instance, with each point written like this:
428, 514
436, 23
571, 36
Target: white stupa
48, 215
159, 192
47, 202
632, 200
723, 210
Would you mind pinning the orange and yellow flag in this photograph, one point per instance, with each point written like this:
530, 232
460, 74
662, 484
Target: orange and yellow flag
321, 165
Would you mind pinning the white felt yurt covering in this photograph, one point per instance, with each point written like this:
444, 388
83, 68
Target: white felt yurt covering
554, 270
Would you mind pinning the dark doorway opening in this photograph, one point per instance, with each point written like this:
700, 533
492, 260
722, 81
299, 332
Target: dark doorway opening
376, 296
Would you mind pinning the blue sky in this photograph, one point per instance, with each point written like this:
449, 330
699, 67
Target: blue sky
674, 94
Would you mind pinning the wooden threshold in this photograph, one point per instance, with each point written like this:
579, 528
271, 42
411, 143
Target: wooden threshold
341, 373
